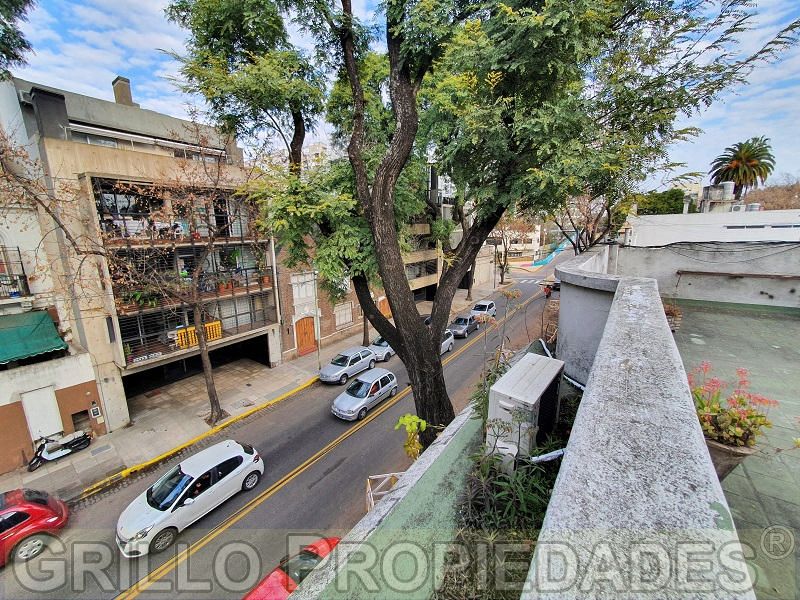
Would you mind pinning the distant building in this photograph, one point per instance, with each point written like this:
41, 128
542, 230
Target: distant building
760, 226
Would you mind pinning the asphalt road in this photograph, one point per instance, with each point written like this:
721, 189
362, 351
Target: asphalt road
313, 486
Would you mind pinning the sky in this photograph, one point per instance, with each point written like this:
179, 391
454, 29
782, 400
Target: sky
83, 46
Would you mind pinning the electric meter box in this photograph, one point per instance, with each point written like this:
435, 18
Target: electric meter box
524, 404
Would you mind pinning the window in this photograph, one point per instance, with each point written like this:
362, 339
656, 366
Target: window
303, 287
385, 381
229, 466
355, 359
12, 520
343, 314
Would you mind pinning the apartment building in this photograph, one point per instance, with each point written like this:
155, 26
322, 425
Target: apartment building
151, 198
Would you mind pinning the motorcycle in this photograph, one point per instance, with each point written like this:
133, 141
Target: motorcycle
50, 449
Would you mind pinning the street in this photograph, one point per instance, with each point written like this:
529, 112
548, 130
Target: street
313, 486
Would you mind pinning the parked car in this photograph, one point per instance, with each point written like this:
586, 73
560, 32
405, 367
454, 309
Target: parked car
463, 326
484, 307
447, 342
350, 362
291, 571
186, 493
365, 392
381, 349
28, 520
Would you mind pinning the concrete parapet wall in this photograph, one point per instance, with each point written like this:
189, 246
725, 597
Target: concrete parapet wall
637, 510
765, 273
587, 291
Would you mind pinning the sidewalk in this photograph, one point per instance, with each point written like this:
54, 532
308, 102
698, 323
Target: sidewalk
173, 414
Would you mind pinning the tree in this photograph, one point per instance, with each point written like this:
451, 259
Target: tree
744, 163
509, 228
669, 202
239, 58
13, 44
144, 266
529, 104
781, 196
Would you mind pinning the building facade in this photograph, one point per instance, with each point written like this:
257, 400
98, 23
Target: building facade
148, 199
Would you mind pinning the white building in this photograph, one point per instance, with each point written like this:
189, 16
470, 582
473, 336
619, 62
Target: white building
748, 226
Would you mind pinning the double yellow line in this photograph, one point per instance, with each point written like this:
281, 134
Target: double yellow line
161, 571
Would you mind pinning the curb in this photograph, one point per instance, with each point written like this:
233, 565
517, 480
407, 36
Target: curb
125, 473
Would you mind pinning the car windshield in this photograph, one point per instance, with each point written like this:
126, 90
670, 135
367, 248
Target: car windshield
379, 341
480, 307
358, 389
460, 321
298, 567
164, 491
340, 360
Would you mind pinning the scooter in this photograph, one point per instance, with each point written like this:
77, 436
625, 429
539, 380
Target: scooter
50, 449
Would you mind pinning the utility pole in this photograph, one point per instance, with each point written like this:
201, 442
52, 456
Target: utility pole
317, 328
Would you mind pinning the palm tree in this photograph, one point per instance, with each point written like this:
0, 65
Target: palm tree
744, 163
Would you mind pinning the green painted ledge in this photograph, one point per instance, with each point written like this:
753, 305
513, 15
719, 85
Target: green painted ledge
398, 549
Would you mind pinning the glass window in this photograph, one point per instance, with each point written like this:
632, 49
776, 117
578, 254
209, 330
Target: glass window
229, 466
355, 359
340, 360
298, 567
358, 389
164, 491
12, 520
385, 381
200, 485
461, 321
380, 342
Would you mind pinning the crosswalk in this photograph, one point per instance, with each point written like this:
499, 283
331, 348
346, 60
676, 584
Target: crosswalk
527, 280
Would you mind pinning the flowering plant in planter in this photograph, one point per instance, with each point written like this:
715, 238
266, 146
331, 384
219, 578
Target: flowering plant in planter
734, 419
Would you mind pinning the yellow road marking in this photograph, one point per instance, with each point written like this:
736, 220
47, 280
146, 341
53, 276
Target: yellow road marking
144, 583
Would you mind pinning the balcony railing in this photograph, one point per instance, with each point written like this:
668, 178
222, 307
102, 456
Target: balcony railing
213, 286
13, 281
152, 335
141, 228
421, 269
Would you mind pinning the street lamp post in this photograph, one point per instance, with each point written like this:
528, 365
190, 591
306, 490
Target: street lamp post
316, 322
494, 285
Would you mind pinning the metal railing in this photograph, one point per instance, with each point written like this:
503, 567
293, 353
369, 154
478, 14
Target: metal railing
151, 335
145, 226
13, 281
421, 269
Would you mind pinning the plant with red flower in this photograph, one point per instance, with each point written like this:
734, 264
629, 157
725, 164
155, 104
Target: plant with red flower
735, 419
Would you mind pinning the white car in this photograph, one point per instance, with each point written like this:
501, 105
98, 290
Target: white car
186, 493
447, 342
484, 307
381, 348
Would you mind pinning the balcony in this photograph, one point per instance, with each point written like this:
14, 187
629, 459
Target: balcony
13, 281
418, 256
152, 335
143, 229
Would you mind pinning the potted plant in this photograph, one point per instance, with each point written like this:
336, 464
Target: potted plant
731, 422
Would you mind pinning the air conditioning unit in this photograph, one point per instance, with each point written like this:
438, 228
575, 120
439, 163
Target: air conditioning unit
523, 405
738, 208
753, 206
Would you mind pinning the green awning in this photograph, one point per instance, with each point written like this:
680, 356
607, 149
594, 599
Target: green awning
27, 334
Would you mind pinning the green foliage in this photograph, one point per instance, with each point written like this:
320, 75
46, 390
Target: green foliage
745, 163
661, 203
13, 44
735, 420
413, 426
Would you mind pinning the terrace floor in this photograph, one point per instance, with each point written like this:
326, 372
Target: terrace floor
763, 492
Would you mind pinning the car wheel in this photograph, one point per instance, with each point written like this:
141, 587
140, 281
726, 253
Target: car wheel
30, 547
466, 333
393, 392
163, 540
362, 413
450, 347
251, 481
387, 356
343, 379
372, 364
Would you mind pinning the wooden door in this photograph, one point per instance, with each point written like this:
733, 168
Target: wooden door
304, 332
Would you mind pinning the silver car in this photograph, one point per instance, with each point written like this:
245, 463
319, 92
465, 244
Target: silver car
447, 342
365, 392
350, 362
484, 307
463, 326
381, 348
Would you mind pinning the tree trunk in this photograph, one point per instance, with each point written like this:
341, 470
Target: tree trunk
296, 144
471, 282
737, 191
216, 414
365, 338
430, 393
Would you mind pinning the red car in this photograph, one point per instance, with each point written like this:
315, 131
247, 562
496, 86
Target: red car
27, 518
285, 578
